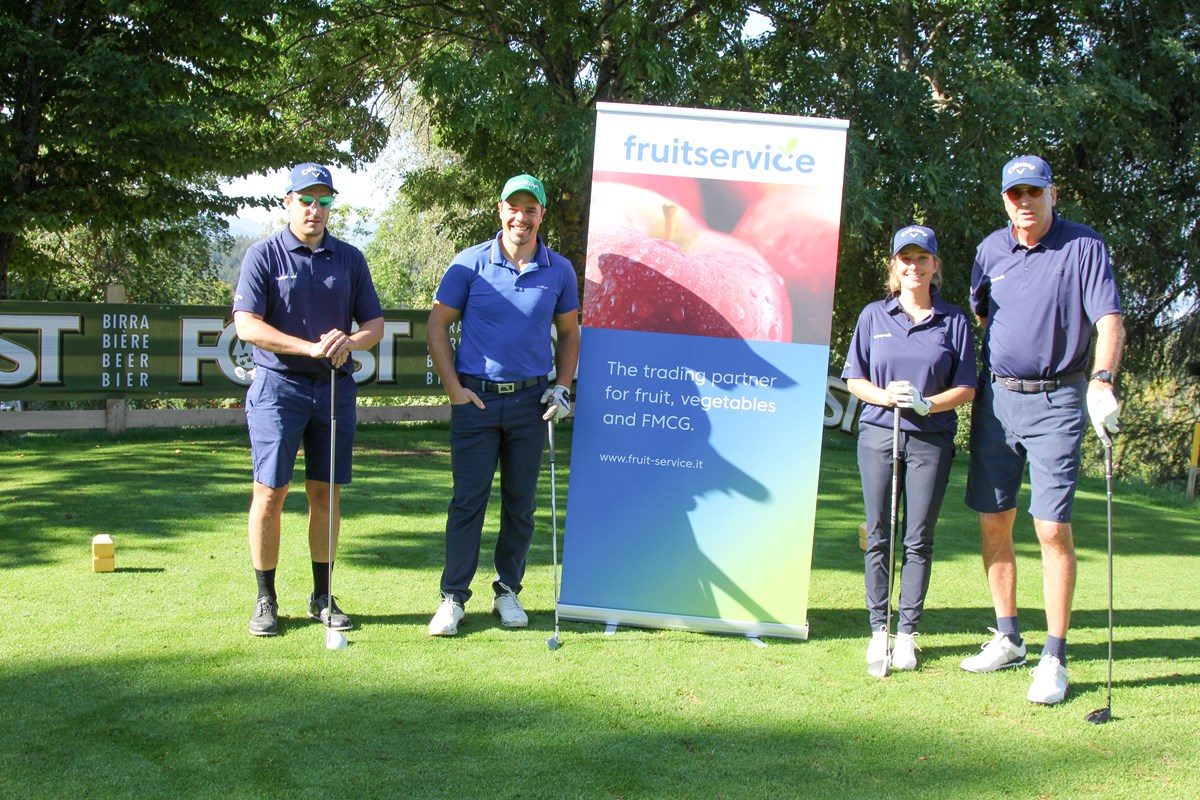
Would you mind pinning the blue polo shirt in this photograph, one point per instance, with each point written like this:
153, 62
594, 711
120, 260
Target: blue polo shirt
1040, 303
305, 293
506, 313
933, 355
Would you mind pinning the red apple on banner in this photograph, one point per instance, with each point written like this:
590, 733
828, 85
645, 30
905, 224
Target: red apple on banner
796, 230
652, 266
684, 192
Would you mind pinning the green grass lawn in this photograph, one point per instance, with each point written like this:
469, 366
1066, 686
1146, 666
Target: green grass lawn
145, 683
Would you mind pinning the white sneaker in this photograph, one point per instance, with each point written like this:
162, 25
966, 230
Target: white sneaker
445, 621
904, 651
877, 653
999, 653
1049, 682
509, 609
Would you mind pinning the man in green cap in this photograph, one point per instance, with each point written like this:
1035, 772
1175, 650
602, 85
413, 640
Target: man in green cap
505, 293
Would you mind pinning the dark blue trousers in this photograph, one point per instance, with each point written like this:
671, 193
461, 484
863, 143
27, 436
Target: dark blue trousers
510, 433
924, 470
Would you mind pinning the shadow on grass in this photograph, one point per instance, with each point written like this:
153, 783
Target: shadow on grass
203, 726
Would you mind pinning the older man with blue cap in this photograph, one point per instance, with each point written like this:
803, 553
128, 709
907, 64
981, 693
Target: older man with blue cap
1044, 290
298, 297
912, 362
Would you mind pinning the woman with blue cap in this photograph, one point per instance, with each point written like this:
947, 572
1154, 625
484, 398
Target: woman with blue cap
912, 354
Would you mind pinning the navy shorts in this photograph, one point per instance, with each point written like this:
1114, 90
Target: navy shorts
284, 409
1009, 429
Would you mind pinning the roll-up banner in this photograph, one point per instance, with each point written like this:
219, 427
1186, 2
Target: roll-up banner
711, 256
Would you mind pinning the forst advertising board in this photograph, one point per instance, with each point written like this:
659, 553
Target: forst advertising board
86, 351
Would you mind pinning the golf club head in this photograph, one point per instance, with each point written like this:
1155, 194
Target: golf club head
552, 643
1100, 716
878, 669
335, 640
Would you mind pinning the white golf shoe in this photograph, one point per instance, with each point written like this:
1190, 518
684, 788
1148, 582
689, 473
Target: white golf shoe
877, 653
445, 621
904, 651
1049, 682
508, 608
999, 653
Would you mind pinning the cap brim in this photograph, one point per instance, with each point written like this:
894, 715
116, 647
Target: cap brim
1025, 182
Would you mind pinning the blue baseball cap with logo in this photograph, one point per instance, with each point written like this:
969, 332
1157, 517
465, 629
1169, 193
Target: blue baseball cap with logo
1027, 171
524, 183
305, 175
915, 234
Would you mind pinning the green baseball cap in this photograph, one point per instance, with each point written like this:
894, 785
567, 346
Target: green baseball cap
524, 183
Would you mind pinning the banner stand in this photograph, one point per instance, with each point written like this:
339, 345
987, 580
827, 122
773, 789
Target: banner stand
702, 385
648, 619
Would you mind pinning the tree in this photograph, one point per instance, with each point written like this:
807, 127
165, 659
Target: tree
513, 89
119, 113
408, 255
940, 95
155, 262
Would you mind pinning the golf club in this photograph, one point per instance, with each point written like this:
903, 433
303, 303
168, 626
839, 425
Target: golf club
875, 668
553, 642
334, 640
1103, 715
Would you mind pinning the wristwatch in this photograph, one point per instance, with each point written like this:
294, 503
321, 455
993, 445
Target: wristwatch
1102, 375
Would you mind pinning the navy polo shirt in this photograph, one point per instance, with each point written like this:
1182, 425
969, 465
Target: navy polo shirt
506, 313
305, 293
933, 355
1040, 303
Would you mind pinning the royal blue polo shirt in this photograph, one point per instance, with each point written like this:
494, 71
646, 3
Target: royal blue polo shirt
506, 313
1041, 302
305, 293
933, 355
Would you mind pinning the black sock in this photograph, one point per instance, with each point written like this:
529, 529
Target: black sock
1010, 628
1056, 646
321, 577
266, 582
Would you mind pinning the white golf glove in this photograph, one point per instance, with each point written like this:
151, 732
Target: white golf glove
559, 398
1103, 409
905, 395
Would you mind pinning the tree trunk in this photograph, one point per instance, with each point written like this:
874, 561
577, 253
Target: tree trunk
8, 241
572, 230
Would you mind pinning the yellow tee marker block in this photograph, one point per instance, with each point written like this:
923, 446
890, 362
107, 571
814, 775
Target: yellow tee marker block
104, 552
862, 536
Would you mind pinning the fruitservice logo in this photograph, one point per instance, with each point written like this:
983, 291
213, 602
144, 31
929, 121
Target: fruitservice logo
764, 158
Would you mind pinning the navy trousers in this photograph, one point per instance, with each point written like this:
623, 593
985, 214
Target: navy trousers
924, 470
511, 434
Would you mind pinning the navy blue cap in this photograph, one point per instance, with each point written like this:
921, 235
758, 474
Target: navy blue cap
305, 175
1026, 170
919, 235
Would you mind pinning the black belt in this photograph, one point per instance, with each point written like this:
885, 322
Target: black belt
1037, 386
476, 385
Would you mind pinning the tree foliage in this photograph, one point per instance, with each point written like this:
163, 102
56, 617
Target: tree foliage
118, 114
115, 113
939, 96
512, 89
155, 262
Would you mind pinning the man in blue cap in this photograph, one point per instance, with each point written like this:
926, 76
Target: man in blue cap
1040, 286
298, 296
506, 293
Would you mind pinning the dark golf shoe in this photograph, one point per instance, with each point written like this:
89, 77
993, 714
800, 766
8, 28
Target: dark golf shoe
265, 621
319, 609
